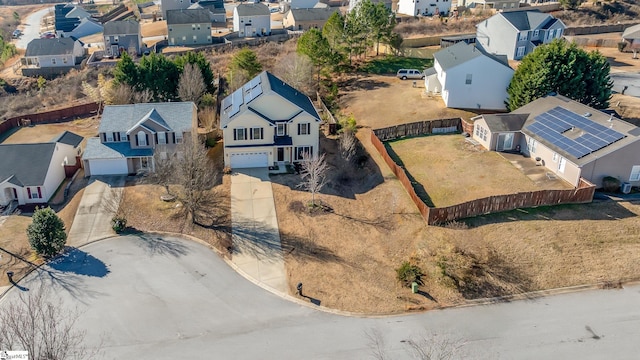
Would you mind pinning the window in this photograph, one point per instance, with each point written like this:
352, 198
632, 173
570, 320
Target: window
53, 61
195, 38
635, 173
301, 150
484, 134
468, 79
64, 60
536, 33
193, 26
523, 36
558, 33
115, 39
520, 52
178, 138
561, 165
34, 193
256, 133
142, 138
124, 137
108, 137
477, 130
554, 158
281, 129
162, 138
198, 26
304, 129
184, 38
239, 134
532, 145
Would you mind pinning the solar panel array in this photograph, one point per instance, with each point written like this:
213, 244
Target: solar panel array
231, 104
552, 124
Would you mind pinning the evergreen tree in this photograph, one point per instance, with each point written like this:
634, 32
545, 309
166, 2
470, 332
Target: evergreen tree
246, 62
46, 232
198, 58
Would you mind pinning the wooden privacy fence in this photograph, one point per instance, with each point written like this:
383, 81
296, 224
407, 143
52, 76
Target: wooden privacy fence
59, 115
332, 123
442, 126
492, 204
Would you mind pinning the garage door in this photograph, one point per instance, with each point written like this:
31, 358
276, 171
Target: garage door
108, 167
249, 160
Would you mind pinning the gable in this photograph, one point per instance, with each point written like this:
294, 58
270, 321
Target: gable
26, 164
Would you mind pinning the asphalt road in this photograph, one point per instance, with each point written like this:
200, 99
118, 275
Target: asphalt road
166, 298
31, 28
630, 80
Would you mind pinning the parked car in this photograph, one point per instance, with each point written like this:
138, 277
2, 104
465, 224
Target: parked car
405, 74
274, 9
16, 33
47, 35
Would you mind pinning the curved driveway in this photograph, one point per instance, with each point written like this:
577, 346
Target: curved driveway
150, 297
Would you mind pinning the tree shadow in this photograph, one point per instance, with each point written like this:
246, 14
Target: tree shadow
417, 186
361, 82
427, 295
257, 239
306, 249
78, 262
156, 245
67, 281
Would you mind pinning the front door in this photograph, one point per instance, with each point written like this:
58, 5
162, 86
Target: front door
280, 154
505, 142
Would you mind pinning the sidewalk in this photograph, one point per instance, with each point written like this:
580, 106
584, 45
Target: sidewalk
256, 238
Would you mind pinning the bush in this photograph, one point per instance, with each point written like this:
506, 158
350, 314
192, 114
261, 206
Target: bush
408, 273
622, 45
610, 184
118, 224
46, 233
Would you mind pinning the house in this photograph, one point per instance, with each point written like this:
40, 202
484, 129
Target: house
86, 27
217, 12
491, 4
189, 27
468, 78
631, 35
31, 173
120, 36
50, 57
129, 135
166, 5
517, 33
354, 3
286, 5
252, 20
570, 139
424, 7
305, 19
267, 122
73, 21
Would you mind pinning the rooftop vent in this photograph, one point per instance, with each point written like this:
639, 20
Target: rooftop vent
588, 114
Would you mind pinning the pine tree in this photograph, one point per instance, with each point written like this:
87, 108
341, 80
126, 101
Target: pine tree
46, 232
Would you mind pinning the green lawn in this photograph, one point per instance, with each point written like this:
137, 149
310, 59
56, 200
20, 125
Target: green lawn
391, 64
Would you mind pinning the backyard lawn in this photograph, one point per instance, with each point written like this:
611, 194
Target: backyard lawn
86, 127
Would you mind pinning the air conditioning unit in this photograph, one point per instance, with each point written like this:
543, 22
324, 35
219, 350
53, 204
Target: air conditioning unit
625, 188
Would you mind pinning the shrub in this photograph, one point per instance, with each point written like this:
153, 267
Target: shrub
46, 232
610, 184
118, 223
408, 273
622, 45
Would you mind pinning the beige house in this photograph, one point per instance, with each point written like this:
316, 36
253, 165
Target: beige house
129, 135
267, 122
570, 139
305, 19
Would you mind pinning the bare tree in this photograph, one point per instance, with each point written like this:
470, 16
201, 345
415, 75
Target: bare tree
297, 70
191, 85
39, 324
348, 144
207, 116
376, 344
426, 346
163, 168
313, 172
123, 94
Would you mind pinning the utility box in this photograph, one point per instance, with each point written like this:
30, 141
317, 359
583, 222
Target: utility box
625, 188
414, 287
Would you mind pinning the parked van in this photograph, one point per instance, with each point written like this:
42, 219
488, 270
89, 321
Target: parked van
405, 74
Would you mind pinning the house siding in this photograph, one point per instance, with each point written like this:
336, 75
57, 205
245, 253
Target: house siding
424, 7
617, 164
182, 34
257, 23
572, 172
496, 35
124, 41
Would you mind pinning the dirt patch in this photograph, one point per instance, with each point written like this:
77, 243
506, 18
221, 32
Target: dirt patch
86, 127
154, 28
627, 106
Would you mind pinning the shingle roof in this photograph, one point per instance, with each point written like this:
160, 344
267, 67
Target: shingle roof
462, 52
188, 16
25, 164
113, 150
526, 19
38, 47
315, 14
631, 33
68, 138
252, 9
505, 122
176, 115
126, 27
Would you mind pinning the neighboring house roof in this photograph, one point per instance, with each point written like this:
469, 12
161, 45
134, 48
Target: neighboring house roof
315, 14
505, 122
252, 9
25, 164
527, 19
210, 4
240, 100
68, 138
462, 52
430, 71
631, 33
126, 27
112, 150
188, 16
39, 47
176, 116
61, 22
595, 132
77, 12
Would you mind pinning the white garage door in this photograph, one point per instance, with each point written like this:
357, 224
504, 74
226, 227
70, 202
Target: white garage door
108, 167
249, 160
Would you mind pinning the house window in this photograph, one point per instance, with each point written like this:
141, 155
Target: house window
239, 134
520, 52
34, 193
53, 61
195, 38
554, 158
281, 129
178, 138
484, 134
536, 33
558, 33
108, 137
193, 26
302, 150
162, 138
635, 173
142, 138
468, 79
532, 145
116, 39
561, 165
184, 38
198, 26
523, 36
477, 130
304, 129
64, 60
124, 137
256, 133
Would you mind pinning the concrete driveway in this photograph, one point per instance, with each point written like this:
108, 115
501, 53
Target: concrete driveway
31, 28
99, 203
626, 82
256, 237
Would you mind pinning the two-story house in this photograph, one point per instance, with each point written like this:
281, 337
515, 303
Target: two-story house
424, 7
189, 27
166, 5
267, 122
517, 33
252, 20
120, 36
129, 135
305, 19
51, 57
217, 12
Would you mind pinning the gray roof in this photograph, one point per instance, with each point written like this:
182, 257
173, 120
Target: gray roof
112, 150
126, 27
188, 16
462, 52
315, 14
267, 82
631, 33
62, 46
25, 164
252, 9
176, 116
505, 122
526, 19
430, 71
68, 138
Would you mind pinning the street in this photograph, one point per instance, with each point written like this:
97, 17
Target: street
31, 28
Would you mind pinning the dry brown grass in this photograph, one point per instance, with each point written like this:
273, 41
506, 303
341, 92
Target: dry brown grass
154, 28
14, 239
86, 127
418, 27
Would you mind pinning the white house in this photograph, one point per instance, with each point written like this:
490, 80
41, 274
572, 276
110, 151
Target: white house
267, 122
469, 78
424, 7
31, 173
252, 20
48, 57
